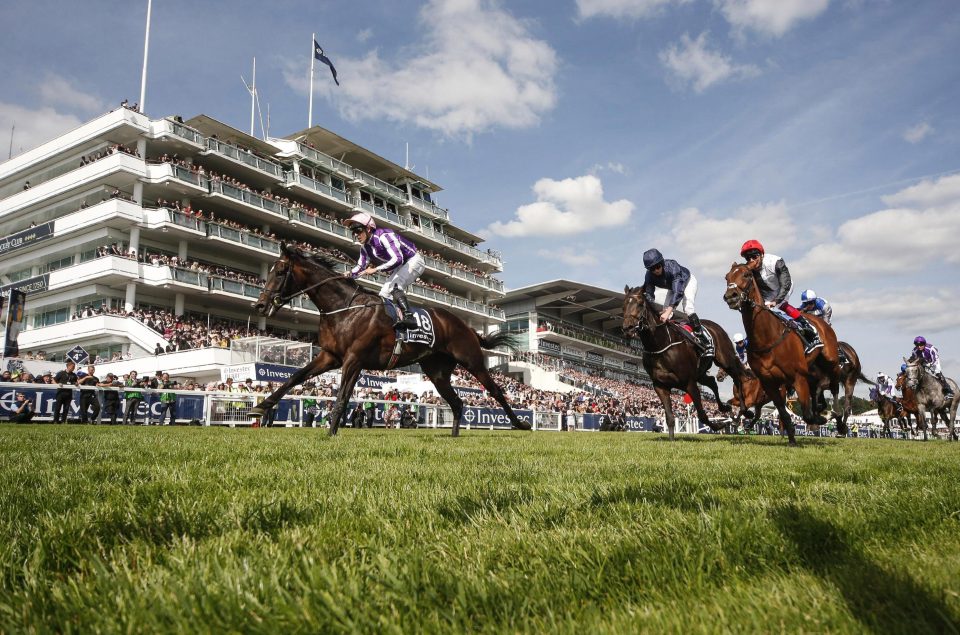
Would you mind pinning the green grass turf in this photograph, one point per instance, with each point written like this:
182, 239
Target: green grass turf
276, 531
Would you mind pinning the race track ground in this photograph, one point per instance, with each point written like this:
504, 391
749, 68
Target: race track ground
279, 531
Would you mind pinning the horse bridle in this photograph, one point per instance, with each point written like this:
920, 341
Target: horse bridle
280, 299
747, 301
636, 328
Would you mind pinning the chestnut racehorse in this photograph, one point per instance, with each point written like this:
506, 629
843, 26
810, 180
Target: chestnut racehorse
671, 359
356, 334
775, 351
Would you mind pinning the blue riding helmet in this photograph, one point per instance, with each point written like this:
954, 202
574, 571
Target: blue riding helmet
903, 368
808, 296
652, 258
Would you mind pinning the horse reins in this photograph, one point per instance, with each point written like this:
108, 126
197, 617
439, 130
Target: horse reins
746, 301
281, 299
669, 339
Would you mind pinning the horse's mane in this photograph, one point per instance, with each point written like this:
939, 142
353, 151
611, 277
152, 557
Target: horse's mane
324, 262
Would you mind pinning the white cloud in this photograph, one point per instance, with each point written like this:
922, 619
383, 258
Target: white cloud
917, 133
570, 206
691, 62
477, 68
56, 90
33, 127
712, 244
610, 166
569, 257
622, 8
922, 229
770, 17
364, 35
939, 312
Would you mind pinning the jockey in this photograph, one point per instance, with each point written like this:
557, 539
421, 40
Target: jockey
740, 341
929, 357
681, 286
884, 385
773, 280
385, 251
810, 303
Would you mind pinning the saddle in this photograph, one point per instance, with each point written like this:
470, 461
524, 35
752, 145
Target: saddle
422, 334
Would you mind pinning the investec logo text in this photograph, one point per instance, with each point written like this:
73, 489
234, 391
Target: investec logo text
491, 417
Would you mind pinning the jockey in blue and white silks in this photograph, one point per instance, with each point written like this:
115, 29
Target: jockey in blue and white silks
681, 286
929, 357
385, 251
740, 343
814, 305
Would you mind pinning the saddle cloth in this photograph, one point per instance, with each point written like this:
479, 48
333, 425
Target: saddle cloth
422, 334
790, 322
711, 346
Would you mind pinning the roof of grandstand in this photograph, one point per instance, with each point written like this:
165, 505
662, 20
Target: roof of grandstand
593, 305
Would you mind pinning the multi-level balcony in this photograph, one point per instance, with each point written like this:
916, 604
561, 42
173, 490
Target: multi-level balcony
318, 191
252, 166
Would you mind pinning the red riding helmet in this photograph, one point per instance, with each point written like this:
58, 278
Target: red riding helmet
751, 245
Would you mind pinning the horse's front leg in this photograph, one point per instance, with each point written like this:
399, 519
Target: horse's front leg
664, 393
321, 363
701, 411
348, 379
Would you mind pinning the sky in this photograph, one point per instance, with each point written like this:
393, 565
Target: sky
575, 134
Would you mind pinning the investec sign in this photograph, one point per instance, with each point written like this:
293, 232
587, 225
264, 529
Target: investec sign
548, 347
495, 417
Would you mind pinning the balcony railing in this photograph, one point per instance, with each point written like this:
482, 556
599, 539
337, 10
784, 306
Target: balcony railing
182, 220
489, 283
326, 161
248, 197
245, 157
235, 287
188, 276
318, 186
427, 207
185, 132
244, 238
381, 186
320, 223
188, 176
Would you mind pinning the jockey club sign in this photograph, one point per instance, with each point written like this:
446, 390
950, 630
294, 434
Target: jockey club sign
594, 358
25, 238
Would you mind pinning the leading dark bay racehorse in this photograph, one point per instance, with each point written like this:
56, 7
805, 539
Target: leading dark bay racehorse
672, 360
775, 351
357, 334
909, 403
929, 396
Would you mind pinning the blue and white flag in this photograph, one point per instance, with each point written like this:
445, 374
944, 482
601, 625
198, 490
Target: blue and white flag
318, 53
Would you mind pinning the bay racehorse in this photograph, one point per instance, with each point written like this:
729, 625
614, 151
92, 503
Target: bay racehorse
672, 360
888, 410
908, 400
929, 396
357, 334
775, 351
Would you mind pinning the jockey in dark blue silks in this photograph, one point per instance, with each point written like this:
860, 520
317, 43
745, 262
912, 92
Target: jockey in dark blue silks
814, 305
681, 288
929, 357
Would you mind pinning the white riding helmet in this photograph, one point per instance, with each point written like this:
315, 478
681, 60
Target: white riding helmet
739, 337
363, 220
881, 374
808, 295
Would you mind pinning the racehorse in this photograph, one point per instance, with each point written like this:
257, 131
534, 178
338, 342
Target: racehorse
775, 351
890, 410
356, 333
671, 358
929, 396
909, 403
850, 373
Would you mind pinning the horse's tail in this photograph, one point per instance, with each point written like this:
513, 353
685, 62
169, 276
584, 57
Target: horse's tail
500, 338
864, 379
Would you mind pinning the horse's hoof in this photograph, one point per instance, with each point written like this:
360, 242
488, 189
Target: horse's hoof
454, 433
725, 407
520, 424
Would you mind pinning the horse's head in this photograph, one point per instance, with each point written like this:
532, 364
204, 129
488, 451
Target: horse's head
913, 375
740, 285
634, 310
276, 291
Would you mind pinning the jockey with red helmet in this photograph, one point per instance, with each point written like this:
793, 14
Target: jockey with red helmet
928, 356
773, 279
681, 286
385, 251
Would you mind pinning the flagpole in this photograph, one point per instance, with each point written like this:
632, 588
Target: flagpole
313, 56
146, 49
253, 94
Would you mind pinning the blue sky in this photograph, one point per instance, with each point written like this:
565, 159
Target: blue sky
577, 133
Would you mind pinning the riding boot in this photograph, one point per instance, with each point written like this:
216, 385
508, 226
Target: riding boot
700, 334
811, 338
947, 391
407, 321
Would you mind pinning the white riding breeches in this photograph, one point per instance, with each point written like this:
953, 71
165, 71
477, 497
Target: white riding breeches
403, 276
665, 297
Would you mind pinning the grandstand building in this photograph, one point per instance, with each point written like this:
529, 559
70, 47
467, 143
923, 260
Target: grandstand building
574, 324
131, 214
